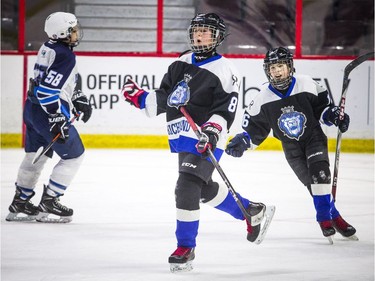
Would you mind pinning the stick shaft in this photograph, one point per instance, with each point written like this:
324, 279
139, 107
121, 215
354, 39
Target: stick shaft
216, 165
348, 69
44, 151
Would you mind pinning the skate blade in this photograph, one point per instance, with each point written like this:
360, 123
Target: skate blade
268, 215
51, 218
351, 238
181, 267
19, 217
330, 239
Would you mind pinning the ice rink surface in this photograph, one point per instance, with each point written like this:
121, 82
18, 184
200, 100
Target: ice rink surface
124, 222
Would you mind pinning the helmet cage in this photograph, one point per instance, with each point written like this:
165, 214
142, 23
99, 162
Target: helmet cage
211, 22
279, 56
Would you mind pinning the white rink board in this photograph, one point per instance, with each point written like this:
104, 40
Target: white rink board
102, 78
11, 94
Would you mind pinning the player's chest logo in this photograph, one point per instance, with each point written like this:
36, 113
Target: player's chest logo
292, 123
181, 93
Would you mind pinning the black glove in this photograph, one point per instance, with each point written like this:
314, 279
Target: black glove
238, 145
209, 137
332, 115
82, 105
59, 125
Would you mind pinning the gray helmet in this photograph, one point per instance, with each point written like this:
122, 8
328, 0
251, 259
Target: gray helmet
214, 23
279, 55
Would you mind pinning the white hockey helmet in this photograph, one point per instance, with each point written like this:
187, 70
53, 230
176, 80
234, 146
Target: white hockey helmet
60, 25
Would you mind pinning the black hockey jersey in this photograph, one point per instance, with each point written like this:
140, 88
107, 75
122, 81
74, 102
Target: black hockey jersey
214, 88
291, 116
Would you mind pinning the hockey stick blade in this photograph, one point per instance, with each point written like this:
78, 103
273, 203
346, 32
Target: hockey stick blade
357, 62
348, 69
38, 154
41, 150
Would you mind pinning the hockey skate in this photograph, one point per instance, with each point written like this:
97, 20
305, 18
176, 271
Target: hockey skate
261, 217
181, 260
328, 230
22, 210
345, 229
51, 211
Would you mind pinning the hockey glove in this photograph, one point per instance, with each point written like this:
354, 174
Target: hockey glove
209, 137
332, 115
58, 124
82, 104
133, 94
238, 145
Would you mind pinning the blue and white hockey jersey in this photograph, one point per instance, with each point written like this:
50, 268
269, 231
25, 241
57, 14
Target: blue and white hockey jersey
55, 74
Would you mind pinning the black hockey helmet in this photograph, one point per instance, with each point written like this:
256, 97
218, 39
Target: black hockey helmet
211, 21
279, 55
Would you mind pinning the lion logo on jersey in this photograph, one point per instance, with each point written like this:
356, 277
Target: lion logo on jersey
181, 93
292, 123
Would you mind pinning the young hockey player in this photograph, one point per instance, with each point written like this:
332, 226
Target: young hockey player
51, 100
293, 106
213, 85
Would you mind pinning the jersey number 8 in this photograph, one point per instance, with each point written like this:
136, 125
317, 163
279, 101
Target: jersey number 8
233, 104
